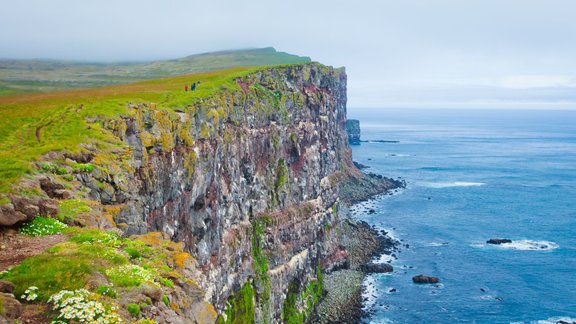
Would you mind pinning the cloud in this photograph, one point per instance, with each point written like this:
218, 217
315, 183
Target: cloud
538, 81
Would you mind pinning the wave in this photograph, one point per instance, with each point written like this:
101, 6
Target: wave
527, 245
551, 320
522, 245
436, 244
439, 185
369, 292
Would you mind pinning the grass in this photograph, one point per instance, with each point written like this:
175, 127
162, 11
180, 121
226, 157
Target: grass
41, 226
240, 308
70, 208
20, 76
61, 267
34, 124
69, 265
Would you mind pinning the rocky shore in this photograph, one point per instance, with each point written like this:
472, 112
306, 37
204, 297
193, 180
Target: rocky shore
358, 189
342, 302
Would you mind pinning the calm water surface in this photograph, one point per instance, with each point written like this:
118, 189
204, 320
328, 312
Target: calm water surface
474, 175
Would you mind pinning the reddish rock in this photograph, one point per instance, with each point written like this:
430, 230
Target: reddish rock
51, 188
6, 287
48, 207
9, 216
11, 308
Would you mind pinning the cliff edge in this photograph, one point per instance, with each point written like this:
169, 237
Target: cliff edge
243, 178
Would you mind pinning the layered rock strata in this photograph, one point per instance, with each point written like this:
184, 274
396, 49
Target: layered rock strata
247, 179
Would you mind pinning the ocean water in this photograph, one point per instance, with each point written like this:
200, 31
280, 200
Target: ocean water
474, 175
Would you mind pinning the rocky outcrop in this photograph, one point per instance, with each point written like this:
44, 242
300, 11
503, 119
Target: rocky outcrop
377, 268
246, 178
421, 279
498, 241
11, 308
353, 130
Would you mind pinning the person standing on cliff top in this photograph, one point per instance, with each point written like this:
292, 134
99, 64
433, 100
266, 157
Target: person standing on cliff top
193, 86
186, 88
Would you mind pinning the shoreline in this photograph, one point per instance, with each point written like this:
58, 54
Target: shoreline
343, 299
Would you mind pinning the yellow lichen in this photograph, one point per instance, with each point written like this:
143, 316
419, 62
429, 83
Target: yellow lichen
151, 239
113, 209
180, 259
167, 142
147, 139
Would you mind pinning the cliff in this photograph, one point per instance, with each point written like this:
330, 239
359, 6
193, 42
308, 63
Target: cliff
245, 178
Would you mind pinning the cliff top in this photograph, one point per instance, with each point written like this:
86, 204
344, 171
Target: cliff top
24, 76
32, 125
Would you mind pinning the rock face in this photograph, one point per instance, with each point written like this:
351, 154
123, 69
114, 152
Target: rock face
353, 130
247, 179
421, 279
498, 241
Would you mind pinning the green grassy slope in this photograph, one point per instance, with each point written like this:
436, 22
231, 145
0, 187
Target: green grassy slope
34, 124
21, 76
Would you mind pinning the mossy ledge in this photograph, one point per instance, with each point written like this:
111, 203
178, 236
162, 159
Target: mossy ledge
243, 174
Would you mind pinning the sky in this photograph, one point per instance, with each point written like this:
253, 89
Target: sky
402, 53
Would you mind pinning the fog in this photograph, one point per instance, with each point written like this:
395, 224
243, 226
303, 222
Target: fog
427, 53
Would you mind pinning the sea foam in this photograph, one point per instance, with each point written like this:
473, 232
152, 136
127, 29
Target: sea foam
527, 245
551, 320
521, 245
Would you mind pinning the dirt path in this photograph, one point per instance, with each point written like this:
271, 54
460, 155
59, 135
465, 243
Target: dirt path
15, 247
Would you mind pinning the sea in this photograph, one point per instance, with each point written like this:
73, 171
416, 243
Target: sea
473, 175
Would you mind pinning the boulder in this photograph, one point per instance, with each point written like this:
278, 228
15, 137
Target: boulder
48, 207
421, 279
9, 216
376, 268
51, 188
11, 308
498, 241
6, 287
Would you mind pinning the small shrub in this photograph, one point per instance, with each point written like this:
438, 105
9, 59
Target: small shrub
68, 209
82, 306
52, 168
107, 291
133, 309
68, 177
165, 300
41, 226
166, 282
134, 253
30, 294
82, 167
130, 275
108, 238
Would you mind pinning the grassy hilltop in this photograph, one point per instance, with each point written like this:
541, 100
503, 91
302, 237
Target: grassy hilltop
23, 76
34, 124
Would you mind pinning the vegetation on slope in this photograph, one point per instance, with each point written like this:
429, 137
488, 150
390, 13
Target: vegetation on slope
122, 271
34, 124
21, 76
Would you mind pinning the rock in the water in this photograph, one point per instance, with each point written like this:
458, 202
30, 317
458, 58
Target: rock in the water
353, 130
498, 241
421, 279
377, 268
